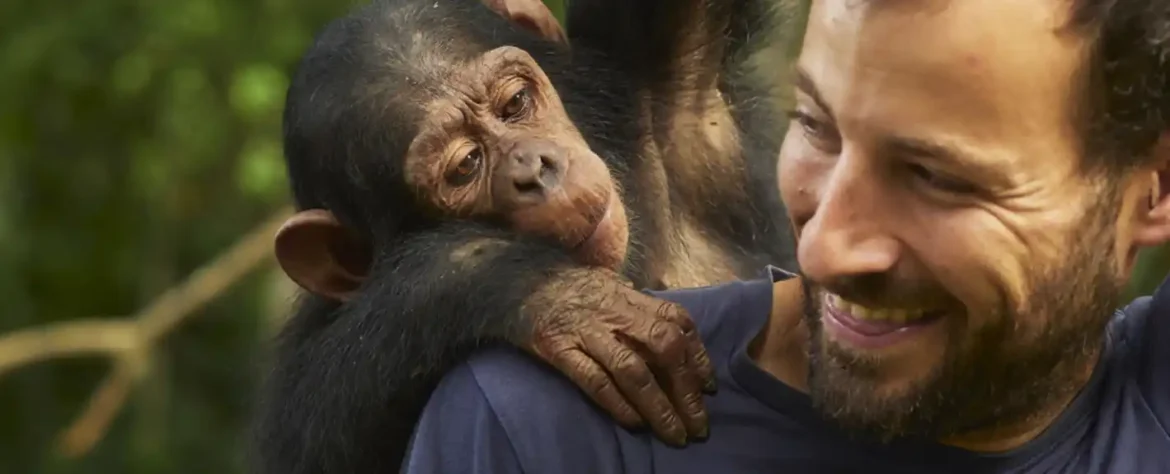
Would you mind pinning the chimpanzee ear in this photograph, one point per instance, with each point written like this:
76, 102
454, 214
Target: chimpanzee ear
321, 255
532, 15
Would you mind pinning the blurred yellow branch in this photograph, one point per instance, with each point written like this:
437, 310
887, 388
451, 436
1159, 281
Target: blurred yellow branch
129, 341
101, 409
68, 338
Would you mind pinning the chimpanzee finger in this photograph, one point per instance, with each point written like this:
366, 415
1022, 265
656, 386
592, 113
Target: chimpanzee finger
666, 347
637, 383
697, 356
596, 382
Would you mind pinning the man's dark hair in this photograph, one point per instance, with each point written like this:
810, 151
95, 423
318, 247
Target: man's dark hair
1127, 80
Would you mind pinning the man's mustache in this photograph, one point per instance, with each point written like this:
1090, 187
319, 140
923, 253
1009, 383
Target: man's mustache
883, 291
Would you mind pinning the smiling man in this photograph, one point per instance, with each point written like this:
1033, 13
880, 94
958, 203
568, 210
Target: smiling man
970, 181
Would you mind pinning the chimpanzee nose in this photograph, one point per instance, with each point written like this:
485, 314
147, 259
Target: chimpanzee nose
529, 172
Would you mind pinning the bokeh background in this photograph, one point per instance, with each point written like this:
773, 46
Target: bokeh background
141, 177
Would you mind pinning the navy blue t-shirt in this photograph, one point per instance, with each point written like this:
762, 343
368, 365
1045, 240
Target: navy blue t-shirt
504, 412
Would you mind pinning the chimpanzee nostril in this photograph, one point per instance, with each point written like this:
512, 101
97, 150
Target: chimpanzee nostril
526, 171
550, 171
529, 172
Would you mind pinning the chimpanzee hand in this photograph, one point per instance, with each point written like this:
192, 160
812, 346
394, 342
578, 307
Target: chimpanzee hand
533, 15
637, 356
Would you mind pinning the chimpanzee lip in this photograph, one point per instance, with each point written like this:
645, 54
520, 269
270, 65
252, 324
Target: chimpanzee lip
597, 225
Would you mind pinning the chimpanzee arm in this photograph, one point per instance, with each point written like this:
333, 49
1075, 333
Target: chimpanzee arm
708, 72
345, 393
662, 42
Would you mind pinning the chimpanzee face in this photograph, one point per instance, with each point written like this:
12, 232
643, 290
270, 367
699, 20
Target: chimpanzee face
497, 145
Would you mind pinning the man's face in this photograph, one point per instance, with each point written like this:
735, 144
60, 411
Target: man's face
961, 266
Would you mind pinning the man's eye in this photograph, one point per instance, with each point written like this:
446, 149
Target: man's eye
941, 182
516, 106
820, 135
467, 168
810, 126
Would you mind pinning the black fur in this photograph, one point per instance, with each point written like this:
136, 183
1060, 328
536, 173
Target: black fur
349, 380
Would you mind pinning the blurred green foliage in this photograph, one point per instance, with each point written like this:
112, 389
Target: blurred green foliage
139, 139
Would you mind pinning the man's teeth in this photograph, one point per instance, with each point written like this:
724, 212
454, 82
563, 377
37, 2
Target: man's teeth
876, 314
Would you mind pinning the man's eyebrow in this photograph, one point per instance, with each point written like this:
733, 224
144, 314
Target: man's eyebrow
949, 153
805, 84
923, 148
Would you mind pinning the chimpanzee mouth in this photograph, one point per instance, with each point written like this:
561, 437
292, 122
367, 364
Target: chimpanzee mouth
602, 226
604, 245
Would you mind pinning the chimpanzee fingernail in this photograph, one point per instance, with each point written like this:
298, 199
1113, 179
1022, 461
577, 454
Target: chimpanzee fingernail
710, 386
704, 433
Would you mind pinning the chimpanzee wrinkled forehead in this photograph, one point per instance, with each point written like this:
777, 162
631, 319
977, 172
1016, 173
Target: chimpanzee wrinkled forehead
359, 94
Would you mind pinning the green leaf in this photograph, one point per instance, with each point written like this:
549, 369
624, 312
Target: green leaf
151, 171
290, 41
6, 188
192, 122
201, 17
131, 74
260, 172
258, 90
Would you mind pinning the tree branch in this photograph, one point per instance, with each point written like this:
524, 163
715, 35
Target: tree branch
68, 338
129, 341
101, 409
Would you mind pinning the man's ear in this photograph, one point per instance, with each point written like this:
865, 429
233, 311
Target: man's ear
532, 15
1153, 228
321, 255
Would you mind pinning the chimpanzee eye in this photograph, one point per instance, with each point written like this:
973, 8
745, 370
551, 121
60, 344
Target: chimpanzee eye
467, 168
516, 106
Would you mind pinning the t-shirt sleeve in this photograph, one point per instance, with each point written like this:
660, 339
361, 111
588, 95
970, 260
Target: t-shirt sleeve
503, 412
459, 432
1154, 368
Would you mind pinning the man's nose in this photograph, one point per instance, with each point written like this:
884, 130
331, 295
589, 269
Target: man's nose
848, 235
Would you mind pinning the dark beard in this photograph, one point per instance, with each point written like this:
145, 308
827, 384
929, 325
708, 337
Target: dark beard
996, 377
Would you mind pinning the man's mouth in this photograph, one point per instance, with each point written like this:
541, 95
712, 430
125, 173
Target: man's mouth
875, 327
896, 316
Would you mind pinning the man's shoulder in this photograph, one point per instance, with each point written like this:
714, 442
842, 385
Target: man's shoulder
539, 413
727, 313
521, 388
1142, 332
502, 412
1141, 328
506, 398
